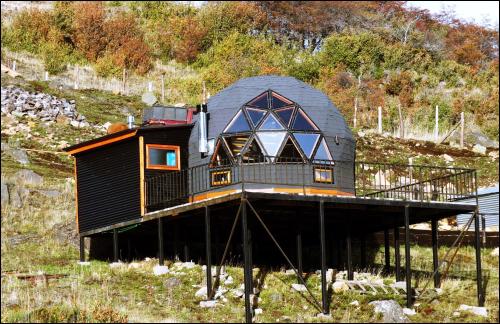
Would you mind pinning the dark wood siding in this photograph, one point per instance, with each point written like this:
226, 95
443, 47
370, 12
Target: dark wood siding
175, 136
108, 181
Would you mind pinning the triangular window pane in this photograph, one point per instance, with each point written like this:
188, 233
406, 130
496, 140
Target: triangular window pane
307, 142
260, 101
271, 141
285, 114
289, 153
253, 153
256, 115
302, 122
220, 156
279, 101
322, 153
236, 143
238, 124
271, 123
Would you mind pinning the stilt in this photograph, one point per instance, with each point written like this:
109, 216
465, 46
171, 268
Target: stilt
323, 257
350, 272
115, 245
362, 243
129, 248
82, 248
299, 254
186, 251
435, 257
407, 257
247, 265
160, 242
387, 252
340, 251
397, 255
480, 296
176, 241
208, 251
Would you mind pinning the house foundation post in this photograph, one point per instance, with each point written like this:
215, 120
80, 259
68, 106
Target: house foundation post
387, 253
115, 245
161, 257
323, 257
247, 266
397, 255
435, 256
409, 295
208, 251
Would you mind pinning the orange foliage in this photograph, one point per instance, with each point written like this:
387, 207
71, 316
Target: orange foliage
89, 34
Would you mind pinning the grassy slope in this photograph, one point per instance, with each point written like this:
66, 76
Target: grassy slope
40, 236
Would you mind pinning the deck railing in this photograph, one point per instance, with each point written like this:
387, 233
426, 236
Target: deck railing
361, 179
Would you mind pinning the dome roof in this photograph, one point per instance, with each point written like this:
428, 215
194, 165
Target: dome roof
224, 105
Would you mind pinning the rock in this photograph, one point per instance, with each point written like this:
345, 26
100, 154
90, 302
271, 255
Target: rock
49, 193
478, 148
228, 281
290, 272
479, 311
15, 198
5, 146
399, 285
409, 312
208, 303
481, 139
456, 314
172, 283
160, 270
493, 253
134, 265
392, 312
201, 293
448, 158
324, 317
29, 177
75, 123
116, 264
354, 303
238, 293
5, 194
339, 287
20, 156
299, 287
258, 311
84, 263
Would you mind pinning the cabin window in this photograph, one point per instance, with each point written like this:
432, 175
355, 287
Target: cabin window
163, 157
323, 175
220, 178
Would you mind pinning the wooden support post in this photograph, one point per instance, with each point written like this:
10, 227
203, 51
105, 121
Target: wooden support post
436, 127
247, 265
324, 295
479, 277
176, 241
409, 296
340, 251
82, 248
160, 242
208, 251
350, 271
362, 248
435, 256
299, 255
462, 129
380, 120
115, 245
186, 251
397, 255
387, 251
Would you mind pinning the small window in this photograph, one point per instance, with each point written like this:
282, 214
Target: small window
220, 178
163, 157
323, 175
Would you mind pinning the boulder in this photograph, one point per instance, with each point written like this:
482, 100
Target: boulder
201, 293
15, 198
493, 253
172, 283
339, 287
392, 312
160, 270
299, 287
478, 148
20, 156
479, 311
208, 303
29, 177
5, 194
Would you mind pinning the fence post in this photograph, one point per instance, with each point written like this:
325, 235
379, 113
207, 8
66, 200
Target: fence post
150, 86
436, 129
163, 88
77, 72
401, 123
355, 111
46, 78
380, 120
124, 76
462, 128
14, 66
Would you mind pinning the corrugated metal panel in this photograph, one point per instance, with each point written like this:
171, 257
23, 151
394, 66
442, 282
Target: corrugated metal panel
108, 185
488, 200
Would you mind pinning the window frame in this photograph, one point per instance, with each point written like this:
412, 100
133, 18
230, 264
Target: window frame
220, 183
324, 169
175, 148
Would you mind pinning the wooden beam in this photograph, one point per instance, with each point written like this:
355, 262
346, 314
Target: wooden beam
141, 175
102, 143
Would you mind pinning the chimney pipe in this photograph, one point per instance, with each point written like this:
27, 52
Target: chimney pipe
130, 121
202, 124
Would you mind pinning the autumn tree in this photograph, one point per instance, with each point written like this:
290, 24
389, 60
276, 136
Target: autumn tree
89, 34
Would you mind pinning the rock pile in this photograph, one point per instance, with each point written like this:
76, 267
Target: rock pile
37, 105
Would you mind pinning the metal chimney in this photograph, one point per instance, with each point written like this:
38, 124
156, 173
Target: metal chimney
202, 125
130, 121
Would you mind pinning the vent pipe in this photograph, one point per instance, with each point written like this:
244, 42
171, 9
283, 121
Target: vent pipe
130, 121
202, 124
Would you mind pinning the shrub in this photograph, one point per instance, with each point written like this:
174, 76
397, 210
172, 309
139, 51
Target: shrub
55, 56
89, 34
106, 67
28, 31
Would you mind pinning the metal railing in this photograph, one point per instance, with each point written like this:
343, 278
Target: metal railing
361, 179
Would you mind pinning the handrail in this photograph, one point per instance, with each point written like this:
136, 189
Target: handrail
376, 180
